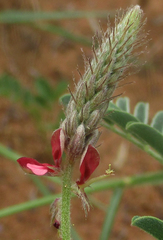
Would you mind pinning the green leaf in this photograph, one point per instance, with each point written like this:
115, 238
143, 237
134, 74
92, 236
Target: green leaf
10, 87
123, 104
119, 117
150, 135
64, 100
141, 112
157, 121
59, 89
151, 225
43, 88
113, 106
41, 101
28, 99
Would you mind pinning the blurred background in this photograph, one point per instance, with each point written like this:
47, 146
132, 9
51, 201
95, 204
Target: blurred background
38, 60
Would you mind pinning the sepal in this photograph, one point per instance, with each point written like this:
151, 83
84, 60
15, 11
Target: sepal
79, 192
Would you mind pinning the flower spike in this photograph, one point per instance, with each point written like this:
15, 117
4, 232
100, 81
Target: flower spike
89, 162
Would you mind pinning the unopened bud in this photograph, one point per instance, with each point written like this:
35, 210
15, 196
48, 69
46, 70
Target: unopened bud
98, 98
133, 16
55, 210
91, 87
70, 107
93, 121
80, 95
77, 142
93, 137
85, 112
72, 123
102, 82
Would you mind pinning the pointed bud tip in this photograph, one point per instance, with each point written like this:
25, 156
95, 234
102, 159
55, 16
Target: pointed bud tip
137, 7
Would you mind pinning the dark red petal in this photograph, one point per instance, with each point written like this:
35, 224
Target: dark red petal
32, 166
57, 143
89, 163
56, 224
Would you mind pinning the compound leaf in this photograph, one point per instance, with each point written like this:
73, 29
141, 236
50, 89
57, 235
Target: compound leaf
151, 225
141, 112
148, 134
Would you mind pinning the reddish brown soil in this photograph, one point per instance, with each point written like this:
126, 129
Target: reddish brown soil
26, 53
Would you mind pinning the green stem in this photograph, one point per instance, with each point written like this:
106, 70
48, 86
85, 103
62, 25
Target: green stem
95, 179
27, 205
9, 153
139, 144
131, 181
111, 213
66, 198
74, 234
126, 182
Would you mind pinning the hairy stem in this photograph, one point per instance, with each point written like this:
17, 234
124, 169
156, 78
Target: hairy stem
66, 198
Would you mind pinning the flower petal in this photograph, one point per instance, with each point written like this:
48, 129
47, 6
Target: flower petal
57, 143
36, 169
89, 162
32, 166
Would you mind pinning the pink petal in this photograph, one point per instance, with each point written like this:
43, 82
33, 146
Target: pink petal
57, 142
32, 166
89, 162
37, 170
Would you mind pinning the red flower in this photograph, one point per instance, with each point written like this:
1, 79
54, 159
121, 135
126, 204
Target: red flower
89, 162
32, 166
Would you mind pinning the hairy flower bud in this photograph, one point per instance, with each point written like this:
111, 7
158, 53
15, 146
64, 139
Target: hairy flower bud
76, 145
93, 138
85, 112
99, 98
80, 95
72, 124
71, 107
93, 121
90, 85
55, 210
